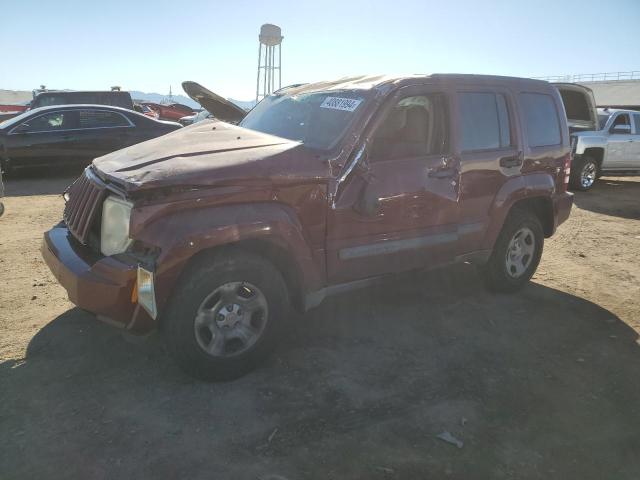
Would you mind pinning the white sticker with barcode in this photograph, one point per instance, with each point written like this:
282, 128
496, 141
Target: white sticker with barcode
339, 103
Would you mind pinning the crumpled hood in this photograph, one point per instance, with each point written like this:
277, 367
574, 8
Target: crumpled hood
210, 153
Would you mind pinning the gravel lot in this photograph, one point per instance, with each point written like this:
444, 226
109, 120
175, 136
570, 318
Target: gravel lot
542, 384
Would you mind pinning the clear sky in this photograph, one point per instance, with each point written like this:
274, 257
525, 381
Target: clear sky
149, 45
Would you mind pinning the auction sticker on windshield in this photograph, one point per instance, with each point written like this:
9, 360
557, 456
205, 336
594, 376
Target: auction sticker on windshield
339, 103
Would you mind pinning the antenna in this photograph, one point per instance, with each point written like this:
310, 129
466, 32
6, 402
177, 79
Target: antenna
271, 37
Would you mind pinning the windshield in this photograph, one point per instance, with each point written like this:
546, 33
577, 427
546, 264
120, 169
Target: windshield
316, 119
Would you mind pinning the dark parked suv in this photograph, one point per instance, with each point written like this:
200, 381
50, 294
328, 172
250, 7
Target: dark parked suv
213, 232
113, 98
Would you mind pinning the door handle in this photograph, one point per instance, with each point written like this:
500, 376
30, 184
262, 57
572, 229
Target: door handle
511, 161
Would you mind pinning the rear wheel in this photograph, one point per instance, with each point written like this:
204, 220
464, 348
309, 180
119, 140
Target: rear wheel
226, 316
517, 252
584, 173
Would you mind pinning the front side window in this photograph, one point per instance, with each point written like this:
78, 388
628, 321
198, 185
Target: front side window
317, 119
540, 119
101, 119
484, 121
621, 120
636, 119
415, 126
46, 123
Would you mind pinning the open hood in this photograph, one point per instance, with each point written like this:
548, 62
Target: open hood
580, 106
219, 107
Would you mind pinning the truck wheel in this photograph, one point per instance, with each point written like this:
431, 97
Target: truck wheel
516, 254
584, 173
225, 317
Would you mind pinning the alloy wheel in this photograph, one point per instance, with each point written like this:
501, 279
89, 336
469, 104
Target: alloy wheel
520, 252
588, 174
231, 319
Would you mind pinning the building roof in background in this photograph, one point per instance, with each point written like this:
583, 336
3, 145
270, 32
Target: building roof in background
15, 97
616, 93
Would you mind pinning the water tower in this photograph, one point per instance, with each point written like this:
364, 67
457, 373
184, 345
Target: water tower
270, 37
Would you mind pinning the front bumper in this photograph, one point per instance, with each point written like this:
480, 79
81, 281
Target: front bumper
101, 285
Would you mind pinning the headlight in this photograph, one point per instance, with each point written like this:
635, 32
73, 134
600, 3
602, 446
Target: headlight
114, 234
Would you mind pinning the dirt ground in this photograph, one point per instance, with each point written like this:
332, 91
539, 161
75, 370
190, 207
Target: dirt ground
542, 384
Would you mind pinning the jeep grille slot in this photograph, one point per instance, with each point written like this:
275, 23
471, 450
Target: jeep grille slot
85, 198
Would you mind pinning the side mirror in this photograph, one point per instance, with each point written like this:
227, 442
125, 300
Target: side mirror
621, 129
358, 158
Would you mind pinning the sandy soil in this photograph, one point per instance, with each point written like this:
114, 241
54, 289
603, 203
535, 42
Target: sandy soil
542, 384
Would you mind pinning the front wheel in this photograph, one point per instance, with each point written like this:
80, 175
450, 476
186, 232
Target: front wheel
517, 252
226, 316
584, 173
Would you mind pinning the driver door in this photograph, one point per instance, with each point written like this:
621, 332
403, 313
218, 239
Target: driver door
620, 144
46, 139
398, 210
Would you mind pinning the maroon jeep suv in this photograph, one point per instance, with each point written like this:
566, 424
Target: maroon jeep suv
213, 233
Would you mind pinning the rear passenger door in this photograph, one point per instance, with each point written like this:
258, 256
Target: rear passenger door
490, 153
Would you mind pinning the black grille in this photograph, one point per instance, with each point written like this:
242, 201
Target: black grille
84, 202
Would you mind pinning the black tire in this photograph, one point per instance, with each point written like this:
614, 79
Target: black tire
204, 277
579, 167
496, 274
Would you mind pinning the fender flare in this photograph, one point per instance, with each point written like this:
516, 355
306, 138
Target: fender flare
182, 235
516, 189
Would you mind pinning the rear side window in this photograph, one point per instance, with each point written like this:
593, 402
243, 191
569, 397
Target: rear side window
101, 119
484, 121
541, 119
636, 118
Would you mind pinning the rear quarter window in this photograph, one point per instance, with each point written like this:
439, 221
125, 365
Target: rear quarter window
540, 119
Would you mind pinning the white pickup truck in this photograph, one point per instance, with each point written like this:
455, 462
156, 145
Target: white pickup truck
614, 149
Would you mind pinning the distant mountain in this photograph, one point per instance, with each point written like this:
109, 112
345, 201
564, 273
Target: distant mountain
157, 98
